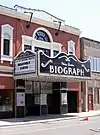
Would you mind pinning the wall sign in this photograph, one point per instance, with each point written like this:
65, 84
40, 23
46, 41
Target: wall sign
63, 98
63, 64
43, 99
20, 99
25, 63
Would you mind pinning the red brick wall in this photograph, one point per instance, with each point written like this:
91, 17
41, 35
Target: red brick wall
74, 86
62, 38
7, 82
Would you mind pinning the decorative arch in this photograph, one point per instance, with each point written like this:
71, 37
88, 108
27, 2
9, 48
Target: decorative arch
45, 30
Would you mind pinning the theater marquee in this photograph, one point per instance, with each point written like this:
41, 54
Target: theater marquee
63, 64
42, 67
25, 63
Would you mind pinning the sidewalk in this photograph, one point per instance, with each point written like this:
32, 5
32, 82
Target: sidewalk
48, 118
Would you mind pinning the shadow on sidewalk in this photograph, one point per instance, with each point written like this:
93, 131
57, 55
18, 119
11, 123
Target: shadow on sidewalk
37, 118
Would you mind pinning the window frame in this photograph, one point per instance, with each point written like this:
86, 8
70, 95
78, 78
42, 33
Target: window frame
27, 45
7, 33
95, 64
71, 44
4, 47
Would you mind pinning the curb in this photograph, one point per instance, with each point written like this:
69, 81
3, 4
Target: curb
44, 121
36, 122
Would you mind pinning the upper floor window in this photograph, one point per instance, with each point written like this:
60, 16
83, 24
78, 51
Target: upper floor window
27, 47
46, 51
42, 35
6, 42
55, 52
95, 64
71, 47
6, 47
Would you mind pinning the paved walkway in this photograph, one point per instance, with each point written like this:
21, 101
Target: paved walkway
48, 118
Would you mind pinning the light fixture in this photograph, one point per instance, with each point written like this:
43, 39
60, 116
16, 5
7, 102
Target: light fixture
58, 27
28, 23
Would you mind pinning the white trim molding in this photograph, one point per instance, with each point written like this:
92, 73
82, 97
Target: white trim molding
71, 47
50, 37
6, 75
37, 43
15, 14
6, 69
6, 32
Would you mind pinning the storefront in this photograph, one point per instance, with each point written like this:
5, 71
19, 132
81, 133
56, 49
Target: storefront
41, 82
6, 97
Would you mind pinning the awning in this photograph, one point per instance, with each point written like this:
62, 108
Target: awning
33, 77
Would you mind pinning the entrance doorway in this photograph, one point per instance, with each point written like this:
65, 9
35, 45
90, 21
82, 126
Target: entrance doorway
29, 100
53, 100
72, 101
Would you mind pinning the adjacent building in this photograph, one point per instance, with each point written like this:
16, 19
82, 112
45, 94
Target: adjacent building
28, 87
91, 90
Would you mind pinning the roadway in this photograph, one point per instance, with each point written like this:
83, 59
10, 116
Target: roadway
64, 127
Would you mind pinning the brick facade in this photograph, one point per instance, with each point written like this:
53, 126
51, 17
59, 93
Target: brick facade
91, 48
19, 29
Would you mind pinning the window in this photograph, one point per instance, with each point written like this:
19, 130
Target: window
71, 47
6, 42
6, 47
46, 51
98, 67
90, 91
95, 64
6, 102
27, 47
55, 52
41, 35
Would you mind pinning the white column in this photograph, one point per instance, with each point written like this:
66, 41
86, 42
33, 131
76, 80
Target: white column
22, 42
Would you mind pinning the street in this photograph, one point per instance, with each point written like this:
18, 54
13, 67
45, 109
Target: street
65, 127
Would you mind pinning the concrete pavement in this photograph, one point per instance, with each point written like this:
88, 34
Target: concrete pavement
48, 118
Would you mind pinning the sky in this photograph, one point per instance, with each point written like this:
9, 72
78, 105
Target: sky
82, 14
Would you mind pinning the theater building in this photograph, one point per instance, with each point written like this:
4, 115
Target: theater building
40, 65
91, 49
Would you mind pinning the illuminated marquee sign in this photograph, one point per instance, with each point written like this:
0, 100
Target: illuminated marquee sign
63, 64
25, 63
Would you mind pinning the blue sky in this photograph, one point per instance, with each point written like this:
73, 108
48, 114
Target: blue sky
83, 14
